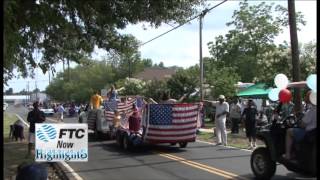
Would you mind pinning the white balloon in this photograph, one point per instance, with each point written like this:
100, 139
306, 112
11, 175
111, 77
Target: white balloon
312, 82
313, 98
274, 94
281, 81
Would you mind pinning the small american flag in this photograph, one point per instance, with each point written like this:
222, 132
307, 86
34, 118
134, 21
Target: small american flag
124, 108
168, 123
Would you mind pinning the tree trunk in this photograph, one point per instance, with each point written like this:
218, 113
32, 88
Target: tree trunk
295, 53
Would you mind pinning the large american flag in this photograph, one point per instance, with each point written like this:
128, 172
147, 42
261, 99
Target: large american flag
124, 108
168, 123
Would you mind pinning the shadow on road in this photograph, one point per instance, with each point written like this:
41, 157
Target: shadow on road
288, 176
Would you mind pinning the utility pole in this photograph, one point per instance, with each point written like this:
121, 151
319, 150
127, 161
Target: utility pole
295, 54
200, 52
129, 68
49, 73
36, 90
28, 94
68, 69
63, 64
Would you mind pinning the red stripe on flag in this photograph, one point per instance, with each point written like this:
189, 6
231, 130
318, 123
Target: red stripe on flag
191, 122
183, 116
170, 135
171, 141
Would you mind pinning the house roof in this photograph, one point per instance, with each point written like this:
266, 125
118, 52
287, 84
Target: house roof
156, 73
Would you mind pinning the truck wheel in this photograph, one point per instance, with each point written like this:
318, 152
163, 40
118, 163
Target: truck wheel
119, 139
261, 163
126, 142
97, 135
183, 144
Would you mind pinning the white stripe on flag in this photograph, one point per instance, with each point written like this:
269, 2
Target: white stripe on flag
181, 121
188, 114
173, 126
187, 108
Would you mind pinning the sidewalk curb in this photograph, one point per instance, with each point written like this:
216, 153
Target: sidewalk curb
67, 171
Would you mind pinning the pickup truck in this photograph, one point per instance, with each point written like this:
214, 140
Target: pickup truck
96, 121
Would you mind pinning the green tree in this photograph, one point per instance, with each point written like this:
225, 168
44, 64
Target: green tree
223, 81
183, 82
154, 89
252, 37
133, 87
279, 61
274, 62
9, 91
22, 92
69, 30
84, 81
308, 59
36, 90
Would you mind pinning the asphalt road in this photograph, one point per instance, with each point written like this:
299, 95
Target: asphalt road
198, 161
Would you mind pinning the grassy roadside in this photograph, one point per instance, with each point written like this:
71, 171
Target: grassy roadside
235, 140
208, 124
8, 120
14, 152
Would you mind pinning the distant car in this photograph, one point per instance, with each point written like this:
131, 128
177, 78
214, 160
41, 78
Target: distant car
5, 106
47, 112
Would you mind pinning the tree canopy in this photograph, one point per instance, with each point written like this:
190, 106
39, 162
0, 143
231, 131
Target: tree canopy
248, 45
38, 33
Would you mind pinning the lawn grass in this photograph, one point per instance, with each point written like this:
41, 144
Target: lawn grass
8, 119
14, 155
234, 140
14, 151
208, 124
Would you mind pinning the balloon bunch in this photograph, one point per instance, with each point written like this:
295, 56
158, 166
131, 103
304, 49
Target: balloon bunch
312, 84
282, 94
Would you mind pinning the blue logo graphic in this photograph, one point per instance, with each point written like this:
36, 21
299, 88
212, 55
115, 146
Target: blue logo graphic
46, 132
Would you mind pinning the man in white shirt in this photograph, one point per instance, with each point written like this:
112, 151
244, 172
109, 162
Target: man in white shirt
222, 109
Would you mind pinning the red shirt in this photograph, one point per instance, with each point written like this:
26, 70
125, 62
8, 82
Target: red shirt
134, 122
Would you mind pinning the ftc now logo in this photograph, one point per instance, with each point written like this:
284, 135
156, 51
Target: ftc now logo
61, 142
46, 133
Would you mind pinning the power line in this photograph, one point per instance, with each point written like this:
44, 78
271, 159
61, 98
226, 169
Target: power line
201, 14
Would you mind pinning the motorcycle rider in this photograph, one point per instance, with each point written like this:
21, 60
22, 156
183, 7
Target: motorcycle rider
309, 122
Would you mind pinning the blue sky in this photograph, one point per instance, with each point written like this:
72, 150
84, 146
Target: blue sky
181, 46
